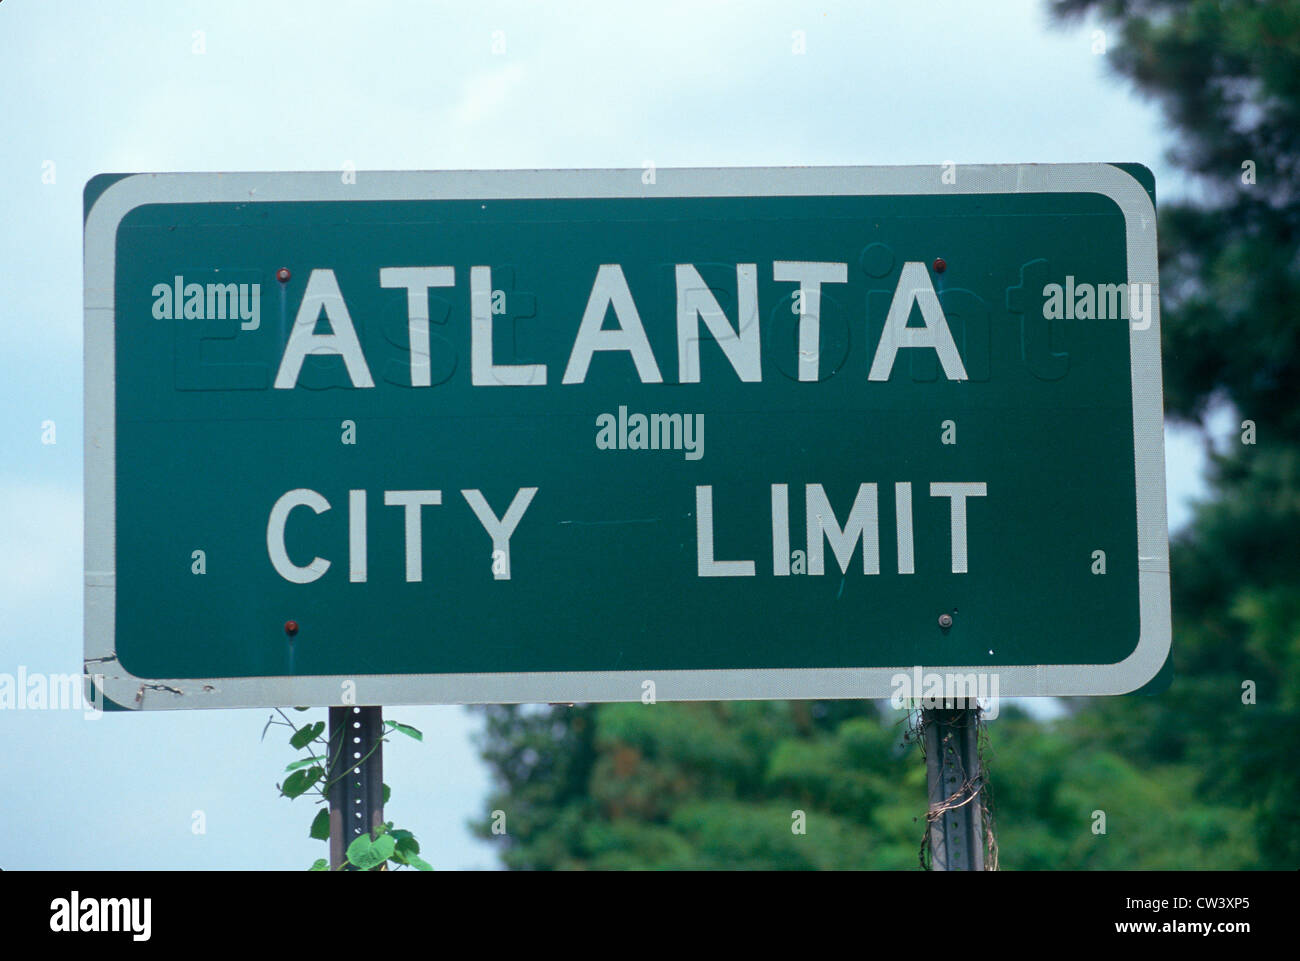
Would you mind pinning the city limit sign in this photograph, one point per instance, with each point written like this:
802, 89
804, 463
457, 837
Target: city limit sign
601, 435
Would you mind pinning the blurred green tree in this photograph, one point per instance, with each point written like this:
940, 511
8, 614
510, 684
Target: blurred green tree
819, 785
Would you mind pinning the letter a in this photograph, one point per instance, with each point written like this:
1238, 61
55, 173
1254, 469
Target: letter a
914, 287
322, 293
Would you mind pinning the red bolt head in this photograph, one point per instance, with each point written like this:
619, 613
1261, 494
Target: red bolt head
940, 265
291, 627
282, 275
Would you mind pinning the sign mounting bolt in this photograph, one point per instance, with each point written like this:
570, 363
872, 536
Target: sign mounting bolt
291, 627
940, 265
945, 621
282, 275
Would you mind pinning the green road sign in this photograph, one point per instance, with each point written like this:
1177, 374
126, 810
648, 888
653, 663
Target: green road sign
606, 435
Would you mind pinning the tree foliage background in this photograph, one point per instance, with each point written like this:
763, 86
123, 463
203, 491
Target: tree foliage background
1194, 777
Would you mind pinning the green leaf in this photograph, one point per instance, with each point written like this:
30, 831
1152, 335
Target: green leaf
366, 855
320, 864
406, 729
302, 709
303, 763
300, 782
406, 843
306, 734
418, 863
320, 825
387, 793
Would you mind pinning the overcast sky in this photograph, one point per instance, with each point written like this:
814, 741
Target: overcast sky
167, 86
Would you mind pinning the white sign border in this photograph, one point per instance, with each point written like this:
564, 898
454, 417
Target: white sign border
131, 692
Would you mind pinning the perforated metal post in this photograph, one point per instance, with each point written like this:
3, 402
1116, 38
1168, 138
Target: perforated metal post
357, 796
952, 768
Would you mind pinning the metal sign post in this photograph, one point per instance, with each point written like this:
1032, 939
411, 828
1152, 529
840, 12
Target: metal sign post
356, 792
952, 767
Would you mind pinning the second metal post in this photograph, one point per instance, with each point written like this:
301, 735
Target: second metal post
952, 765
356, 796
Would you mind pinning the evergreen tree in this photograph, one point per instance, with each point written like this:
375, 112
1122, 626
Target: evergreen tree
1227, 75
